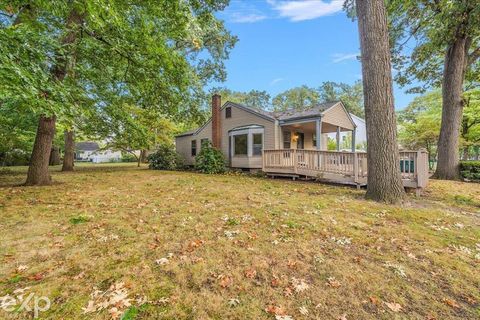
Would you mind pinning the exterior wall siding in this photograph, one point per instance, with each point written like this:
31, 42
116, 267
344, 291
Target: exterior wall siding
239, 118
242, 118
337, 117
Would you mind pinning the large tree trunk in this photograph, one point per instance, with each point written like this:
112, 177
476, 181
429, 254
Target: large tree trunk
54, 156
384, 180
38, 169
69, 151
39, 161
452, 110
143, 156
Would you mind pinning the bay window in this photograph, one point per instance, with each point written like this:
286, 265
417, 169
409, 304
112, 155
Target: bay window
246, 141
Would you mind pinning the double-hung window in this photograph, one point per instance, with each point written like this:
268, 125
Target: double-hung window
194, 148
240, 144
257, 144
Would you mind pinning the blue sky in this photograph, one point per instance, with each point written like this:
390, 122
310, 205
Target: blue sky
283, 44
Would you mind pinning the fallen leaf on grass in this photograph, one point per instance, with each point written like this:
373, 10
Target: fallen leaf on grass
275, 310
343, 317
452, 303
332, 282
287, 292
21, 268
36, 277
299, 285
225, 281
162, 261
115, 299
233, 302
275, 282
194, 245
373, 300
250, 273
395, 307
292, 264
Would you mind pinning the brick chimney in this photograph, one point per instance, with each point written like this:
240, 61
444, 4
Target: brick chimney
216, 121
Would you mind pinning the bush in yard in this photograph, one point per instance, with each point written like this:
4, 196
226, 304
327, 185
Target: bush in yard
209, 159
165, 158
128, 157
470, 170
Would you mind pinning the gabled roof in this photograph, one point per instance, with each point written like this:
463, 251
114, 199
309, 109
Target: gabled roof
187, 133
314, 111
87, 146
286, 115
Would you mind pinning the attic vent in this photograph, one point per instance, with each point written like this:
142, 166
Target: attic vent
228, 112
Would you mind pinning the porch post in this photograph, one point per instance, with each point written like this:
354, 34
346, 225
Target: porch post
338, 138
318, 133
354, 133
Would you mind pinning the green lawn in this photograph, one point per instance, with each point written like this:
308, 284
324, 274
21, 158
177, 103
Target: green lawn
115, 240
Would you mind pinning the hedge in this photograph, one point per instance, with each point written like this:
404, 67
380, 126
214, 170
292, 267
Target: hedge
470, 170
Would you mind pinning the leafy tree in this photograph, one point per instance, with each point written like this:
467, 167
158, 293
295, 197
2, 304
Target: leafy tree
470, 130
256, 99
350, 95
304, 97
156, 54
384, 180
16, 136
299, 98
445, 38
419, 124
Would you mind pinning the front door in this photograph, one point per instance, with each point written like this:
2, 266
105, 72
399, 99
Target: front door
300, 140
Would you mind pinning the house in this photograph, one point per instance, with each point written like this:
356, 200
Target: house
90, 151
293, 143
242, 133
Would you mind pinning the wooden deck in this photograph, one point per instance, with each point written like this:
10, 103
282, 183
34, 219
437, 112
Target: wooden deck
342, 167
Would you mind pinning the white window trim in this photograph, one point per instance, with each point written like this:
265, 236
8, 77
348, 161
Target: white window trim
249, 133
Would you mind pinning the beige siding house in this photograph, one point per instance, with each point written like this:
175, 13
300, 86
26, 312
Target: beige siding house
293, 143
243, 133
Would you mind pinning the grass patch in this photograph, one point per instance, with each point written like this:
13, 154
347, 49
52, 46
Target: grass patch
465, 200
192, 246
78, 220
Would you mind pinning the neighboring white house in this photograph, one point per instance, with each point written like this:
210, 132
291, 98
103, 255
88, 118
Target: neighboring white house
360, 133
90, 151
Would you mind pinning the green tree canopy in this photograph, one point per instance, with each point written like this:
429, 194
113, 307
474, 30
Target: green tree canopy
350, 95
298, 98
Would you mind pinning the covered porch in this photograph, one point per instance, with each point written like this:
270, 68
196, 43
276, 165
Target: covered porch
312, 134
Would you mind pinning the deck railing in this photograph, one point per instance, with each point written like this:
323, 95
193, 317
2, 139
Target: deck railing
345, 166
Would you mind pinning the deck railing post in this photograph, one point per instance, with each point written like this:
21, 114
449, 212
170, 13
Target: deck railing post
355, 167
263, 160
422, 168
295, 161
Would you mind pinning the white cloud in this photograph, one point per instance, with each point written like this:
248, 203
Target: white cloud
275, 81
243, 12
238, 17
339, 57
306, 9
